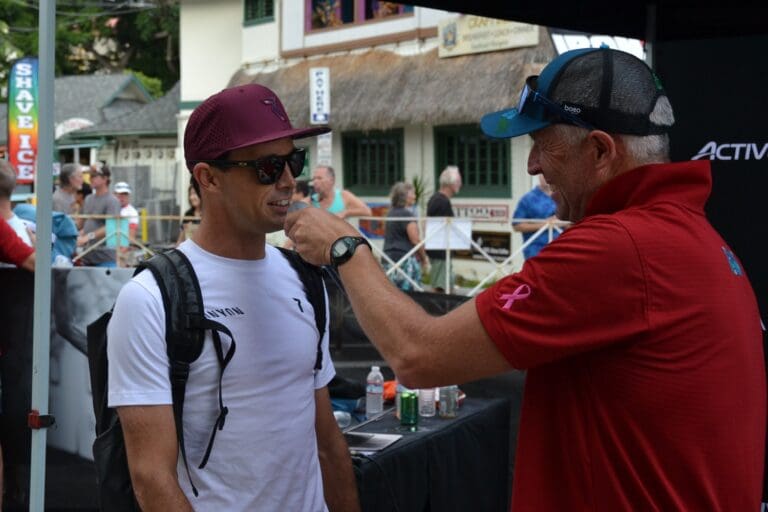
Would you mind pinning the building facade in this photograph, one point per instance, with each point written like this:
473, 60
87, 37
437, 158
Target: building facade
402, 106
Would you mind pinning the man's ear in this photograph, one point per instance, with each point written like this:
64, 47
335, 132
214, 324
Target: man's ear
205, 176
602, 149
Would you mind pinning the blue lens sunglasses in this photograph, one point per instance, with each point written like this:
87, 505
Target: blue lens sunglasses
530, 95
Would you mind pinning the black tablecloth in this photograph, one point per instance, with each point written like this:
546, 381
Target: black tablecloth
460, 464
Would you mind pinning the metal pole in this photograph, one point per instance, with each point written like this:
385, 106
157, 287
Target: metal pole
42, 307
650, 34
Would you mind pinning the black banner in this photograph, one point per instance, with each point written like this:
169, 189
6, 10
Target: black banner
718, 90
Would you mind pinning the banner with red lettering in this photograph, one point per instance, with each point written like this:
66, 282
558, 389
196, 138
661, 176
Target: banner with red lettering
23, 121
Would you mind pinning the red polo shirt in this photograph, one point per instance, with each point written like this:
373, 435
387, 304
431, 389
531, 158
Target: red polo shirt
12, 248
641, 335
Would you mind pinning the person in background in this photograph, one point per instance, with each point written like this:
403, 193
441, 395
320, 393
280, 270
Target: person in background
401, 236
439, 205
536, 204
100, 202
80, 196
13, 251
280, 448
301, 192
192, 216
70, 183
341, 203
638, 327
7, 185
127, 210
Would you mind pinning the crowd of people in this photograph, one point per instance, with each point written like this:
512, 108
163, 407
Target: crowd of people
85, 193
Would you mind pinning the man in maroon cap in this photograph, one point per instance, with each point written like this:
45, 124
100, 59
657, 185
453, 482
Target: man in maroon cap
280, 447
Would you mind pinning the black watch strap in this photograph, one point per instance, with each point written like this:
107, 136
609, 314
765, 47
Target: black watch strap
344, 248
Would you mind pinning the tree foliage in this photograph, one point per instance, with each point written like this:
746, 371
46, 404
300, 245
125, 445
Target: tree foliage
107, 36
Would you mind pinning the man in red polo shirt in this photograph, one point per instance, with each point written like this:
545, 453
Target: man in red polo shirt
638, 327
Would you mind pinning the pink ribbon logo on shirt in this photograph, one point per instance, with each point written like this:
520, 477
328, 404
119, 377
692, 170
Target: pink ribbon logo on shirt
522, 292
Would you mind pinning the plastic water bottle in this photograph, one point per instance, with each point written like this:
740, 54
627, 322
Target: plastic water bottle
374, 392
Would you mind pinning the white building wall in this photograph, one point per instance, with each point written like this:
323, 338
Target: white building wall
261, 43
211, 35
293, 35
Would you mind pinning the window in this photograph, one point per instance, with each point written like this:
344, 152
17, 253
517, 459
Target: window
259, 11
484, 163
321, 14
373, 161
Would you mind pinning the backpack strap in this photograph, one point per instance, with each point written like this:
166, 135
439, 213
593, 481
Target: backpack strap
311, 277
185, 326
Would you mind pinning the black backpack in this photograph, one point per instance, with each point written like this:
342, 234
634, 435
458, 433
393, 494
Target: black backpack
184, 335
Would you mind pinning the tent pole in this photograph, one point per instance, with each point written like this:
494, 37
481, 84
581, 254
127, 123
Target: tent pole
42, 304
650, 33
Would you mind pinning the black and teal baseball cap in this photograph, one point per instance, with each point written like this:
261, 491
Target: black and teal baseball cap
594, 88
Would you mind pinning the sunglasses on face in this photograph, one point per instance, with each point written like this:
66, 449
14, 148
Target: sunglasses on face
529, 95
269, 168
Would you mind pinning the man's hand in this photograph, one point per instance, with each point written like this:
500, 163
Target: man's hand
313, 230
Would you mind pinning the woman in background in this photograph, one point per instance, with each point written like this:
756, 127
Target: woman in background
188, 226
400, 236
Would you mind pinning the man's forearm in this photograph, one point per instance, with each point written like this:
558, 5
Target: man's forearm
160, 493
376, 311
339, 485
528, 227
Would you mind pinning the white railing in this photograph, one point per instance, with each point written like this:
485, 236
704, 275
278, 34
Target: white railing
498, 269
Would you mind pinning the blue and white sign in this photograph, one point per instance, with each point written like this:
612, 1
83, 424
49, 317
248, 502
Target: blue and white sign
319, 95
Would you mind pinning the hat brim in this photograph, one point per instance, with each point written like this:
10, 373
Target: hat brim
293, 133
509, 123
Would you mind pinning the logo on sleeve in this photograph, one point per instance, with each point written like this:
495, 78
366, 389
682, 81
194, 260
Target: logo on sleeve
507, 299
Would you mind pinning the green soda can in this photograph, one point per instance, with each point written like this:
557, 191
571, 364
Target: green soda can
409, 409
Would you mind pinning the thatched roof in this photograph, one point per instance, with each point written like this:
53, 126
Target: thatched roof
379, 89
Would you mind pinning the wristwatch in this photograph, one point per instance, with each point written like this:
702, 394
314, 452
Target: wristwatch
343, 248
91, 236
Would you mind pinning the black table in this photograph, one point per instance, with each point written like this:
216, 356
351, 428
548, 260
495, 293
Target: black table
459, 464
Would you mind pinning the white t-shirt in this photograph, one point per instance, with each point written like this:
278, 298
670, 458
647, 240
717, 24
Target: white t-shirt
266, 457
131, 214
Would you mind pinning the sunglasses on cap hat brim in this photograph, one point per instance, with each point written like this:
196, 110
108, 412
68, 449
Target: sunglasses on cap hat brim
526, 117
530, 96
268, 169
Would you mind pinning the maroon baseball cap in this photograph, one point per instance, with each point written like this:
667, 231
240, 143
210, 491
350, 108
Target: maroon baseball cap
235, 118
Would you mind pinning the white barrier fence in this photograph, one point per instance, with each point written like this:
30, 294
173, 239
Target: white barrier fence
446, 234
455, 233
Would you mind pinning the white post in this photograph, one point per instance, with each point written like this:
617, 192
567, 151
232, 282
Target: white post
448, 275
42, 305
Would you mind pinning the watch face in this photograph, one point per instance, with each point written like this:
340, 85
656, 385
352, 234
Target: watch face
339, 248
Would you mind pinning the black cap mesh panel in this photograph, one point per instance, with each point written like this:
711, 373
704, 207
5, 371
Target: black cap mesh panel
631, 87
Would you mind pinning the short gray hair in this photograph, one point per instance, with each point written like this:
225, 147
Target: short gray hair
645, 149
399, 194
331, 171
449, 176
67, 170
